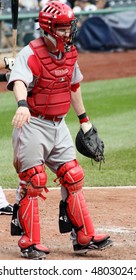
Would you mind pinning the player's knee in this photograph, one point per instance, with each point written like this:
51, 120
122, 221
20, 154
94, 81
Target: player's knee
34, 180
71, 176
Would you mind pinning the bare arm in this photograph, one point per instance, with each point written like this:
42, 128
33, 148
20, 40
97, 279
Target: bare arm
22, 114
77, 102
78, 106
20, 90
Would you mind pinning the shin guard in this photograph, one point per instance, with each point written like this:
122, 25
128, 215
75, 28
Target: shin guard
29, 220
79, 215
72, 178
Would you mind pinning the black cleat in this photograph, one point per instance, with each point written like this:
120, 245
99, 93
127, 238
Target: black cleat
8, 210
34, 252
93, 245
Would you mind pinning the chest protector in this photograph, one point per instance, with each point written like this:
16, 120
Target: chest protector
51, 94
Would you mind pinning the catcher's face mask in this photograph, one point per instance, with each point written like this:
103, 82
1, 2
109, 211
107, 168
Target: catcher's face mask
58, 20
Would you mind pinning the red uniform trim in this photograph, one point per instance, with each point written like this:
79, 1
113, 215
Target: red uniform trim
75, 87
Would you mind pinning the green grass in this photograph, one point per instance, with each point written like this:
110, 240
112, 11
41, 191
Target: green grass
111, 106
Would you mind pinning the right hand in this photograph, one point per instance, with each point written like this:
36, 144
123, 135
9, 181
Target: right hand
21, 117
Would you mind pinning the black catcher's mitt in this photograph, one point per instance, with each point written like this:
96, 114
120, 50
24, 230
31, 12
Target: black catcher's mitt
90, 145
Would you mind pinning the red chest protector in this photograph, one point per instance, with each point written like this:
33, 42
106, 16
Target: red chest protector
51, 94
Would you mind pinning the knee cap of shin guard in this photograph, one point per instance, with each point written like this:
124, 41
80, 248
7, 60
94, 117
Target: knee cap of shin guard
35, 178
71, 175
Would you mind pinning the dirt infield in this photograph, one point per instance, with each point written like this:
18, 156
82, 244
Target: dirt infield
104, 66
112, 209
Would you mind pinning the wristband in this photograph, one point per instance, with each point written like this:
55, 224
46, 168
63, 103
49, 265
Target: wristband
83, 118
22, 103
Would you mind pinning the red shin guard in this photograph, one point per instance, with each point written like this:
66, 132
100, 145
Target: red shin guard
33, 181
79, 215
29, 220
72, 178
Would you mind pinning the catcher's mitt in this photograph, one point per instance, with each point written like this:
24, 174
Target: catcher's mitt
90, 145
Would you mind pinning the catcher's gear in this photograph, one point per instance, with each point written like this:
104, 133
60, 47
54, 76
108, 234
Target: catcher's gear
28, 216
15, 226
71, 176
34, 180
32, 183
29, 220
90, 145
65, 224
46, 71
54, 16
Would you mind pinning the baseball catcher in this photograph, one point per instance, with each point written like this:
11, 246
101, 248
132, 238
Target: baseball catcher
46, 82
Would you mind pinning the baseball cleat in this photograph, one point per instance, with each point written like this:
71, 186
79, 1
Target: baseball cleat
95, 244
34, 252
8, 210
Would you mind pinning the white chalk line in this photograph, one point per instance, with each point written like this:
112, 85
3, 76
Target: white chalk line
84, 188
117, 229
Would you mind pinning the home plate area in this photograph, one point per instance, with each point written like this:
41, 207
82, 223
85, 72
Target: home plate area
112, 210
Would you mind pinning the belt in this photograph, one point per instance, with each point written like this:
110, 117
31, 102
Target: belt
49, 118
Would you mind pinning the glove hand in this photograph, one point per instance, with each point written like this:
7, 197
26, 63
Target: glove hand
86, 126
9, 62
90, 145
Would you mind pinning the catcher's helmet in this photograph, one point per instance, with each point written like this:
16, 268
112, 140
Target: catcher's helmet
56, 15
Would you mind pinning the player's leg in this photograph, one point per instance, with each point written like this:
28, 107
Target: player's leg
28, 162
32, 183
83, 234
74, 215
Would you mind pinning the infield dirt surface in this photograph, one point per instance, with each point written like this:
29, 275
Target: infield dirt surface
112, 209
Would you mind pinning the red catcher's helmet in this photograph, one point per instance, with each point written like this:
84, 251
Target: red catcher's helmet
58, 15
